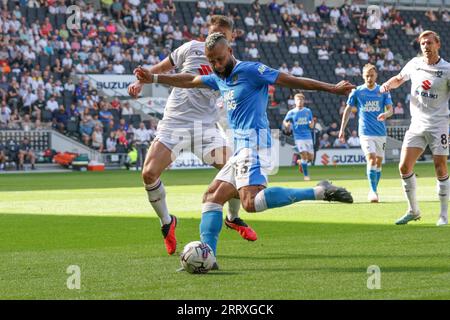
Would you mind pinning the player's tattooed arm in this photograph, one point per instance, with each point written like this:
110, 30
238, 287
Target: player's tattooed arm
392, 83
286, 80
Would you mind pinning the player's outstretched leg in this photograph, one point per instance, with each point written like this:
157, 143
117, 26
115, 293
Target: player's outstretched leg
275, 197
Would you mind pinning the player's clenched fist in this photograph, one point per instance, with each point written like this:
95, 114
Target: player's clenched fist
143, 75
134, 89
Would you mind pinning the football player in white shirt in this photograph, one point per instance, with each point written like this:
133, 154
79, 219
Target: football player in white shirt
190, 115
430, 93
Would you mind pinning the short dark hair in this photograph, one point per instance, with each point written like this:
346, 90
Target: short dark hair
213, 39
221, 21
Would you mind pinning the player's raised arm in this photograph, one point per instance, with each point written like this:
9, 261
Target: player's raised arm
181, 80
286, 80
162, 67
392, 83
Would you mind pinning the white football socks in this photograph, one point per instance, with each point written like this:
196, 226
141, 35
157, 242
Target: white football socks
409, 187
443, 193
233, 208
157, 198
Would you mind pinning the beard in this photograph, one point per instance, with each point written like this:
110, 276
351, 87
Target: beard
227, 71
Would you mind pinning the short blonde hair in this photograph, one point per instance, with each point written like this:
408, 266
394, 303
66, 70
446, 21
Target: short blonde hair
300, 94
369, 67
427, 33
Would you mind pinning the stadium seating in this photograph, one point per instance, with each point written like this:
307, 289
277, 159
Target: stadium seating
325, 106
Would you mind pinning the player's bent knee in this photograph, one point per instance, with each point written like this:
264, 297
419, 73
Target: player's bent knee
150, 175
249, 206
248, 203
404, 168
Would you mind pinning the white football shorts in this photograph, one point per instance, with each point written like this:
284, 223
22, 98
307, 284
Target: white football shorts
198, 139
373, 144
247, 167
436, 139
305, 146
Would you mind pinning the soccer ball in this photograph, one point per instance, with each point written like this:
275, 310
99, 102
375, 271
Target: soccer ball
197, 257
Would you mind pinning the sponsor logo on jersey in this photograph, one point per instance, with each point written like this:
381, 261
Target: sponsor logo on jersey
427, 95
426, 85
371, 106
204, 70
301, 121
439, 73
228, 100
262, 68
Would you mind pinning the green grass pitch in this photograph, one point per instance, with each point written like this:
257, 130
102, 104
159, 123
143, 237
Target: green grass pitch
103, 223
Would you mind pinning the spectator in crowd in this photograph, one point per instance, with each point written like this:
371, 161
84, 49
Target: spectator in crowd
431, 16
12, 152
364, 54
297, 71
337, 143
333, 131
253, 51
111, 142
26, 152
303, 47
350, 71
272, 36
249, 21
127, 109
324, 142
353, 141
445, 16
323, 10
60, 118
293, 49
291, 102
86, 129
142, 139
252, 36
323, 54
97, 138
274, 6
52, 104
284, 68
26, 124
339, 70
5, 115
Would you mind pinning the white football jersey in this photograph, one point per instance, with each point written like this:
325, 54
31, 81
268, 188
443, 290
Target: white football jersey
430, 93
195, 104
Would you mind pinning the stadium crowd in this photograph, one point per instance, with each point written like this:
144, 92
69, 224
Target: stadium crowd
41, 57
